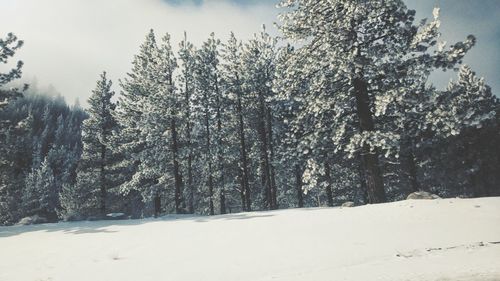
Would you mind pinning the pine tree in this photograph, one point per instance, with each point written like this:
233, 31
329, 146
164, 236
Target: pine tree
466, 103
138, 86
187, 58
465, 113
149, 116
94, 167
232, 71
163, 111
206, 99
8, 131
259, 63
40, 196
359, 51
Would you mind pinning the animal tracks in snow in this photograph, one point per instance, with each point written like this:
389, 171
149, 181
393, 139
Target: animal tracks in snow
427, 251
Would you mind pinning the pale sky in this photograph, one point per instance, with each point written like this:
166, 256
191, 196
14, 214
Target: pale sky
68, 43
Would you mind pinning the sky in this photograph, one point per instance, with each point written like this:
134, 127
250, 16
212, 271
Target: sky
68, 43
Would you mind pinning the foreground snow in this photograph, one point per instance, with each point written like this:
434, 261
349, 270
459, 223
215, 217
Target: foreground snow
449, 239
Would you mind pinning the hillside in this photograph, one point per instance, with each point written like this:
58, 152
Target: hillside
448, 239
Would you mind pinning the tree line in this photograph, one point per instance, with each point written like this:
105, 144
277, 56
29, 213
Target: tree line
340, 108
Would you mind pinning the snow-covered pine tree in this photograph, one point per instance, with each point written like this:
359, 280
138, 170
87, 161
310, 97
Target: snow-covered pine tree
258, 57
289, 109
137, 87
8, 48
467, 103
465, 115
187, 87
40, 196
8, 131
307, 130
232, 72
94, 172
362, 49
207, 100
148, 114
405, 97
162, 120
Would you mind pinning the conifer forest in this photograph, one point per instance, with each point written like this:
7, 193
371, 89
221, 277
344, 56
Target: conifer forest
338, 107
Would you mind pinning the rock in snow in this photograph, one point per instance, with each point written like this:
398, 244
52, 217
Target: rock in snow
36, 219
116, 216
435, 240
422, 195
348, 204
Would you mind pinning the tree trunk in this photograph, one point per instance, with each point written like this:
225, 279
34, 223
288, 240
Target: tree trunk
245, 187
102, 176
298, 186
328, 188
408, 165
177, 175
209, 159
190, 153
412, 172
274, 191
373, 174
264, 158
157, 202
220, 157
362, 181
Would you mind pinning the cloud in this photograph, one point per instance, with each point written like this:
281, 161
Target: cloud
69, 42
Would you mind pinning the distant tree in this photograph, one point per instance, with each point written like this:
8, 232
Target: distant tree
94, 171
40, 197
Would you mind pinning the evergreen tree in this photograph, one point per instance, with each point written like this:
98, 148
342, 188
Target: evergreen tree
138, 86
360, 51
207, 100
94, 167
40, 196
232, 72
187, 87
8, 131
466, 103
259, 64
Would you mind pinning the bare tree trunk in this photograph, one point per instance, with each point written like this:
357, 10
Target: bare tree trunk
362, 181
373, 174
412, 172
274, 191
220, 157
209, 157
102, 176
245, 187
264, 158
177, 175
328, 187
408, 165
157, 203
298, 186
190, 153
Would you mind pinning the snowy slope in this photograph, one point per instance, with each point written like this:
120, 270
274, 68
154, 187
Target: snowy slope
448, 239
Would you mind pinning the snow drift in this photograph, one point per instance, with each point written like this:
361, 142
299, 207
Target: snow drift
447, 239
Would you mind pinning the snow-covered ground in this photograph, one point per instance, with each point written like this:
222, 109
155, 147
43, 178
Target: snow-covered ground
448, 239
